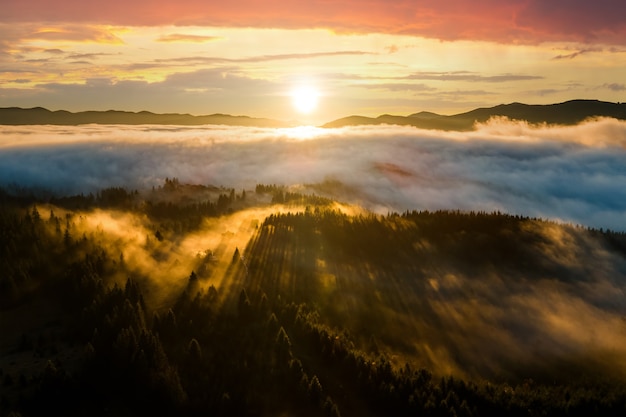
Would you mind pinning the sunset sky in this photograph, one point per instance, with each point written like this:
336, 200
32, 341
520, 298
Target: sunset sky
363, 57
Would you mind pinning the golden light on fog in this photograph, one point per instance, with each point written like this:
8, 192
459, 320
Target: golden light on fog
305, 98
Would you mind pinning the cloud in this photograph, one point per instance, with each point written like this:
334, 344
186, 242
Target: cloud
515, 21
53, 51
423, 90
200, 61
615, 86
180, 37
392, 49
16, 71
396, 87
260, 58
87, 55
470, 76
228, 80
212, 90
457, 93
70, 32
575, 19
13, 36
577, 53
568, 173
39, 60
545, 92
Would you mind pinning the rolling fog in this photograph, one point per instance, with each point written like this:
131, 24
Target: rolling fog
494, 323
574, 174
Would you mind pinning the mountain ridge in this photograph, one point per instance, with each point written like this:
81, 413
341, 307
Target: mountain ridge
565, 113
40, 115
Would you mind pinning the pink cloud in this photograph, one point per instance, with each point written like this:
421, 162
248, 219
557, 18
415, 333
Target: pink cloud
581, 20
521, 21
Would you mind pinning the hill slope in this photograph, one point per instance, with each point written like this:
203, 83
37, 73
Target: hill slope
233, 307
567, 113
39, 115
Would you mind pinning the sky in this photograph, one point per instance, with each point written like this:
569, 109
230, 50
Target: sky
366, 57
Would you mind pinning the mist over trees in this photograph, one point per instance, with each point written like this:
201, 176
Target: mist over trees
200, 300
573, 173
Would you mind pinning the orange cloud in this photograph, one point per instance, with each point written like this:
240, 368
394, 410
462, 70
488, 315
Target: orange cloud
515, 21
80, 33
179, 37
75, 32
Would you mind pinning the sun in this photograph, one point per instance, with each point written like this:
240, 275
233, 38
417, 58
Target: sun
305, 99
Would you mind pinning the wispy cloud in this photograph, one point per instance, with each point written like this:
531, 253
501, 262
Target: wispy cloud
181, 37
87, 55
465, 93
73, 32
16, 71
579, 52
545, 92
203, 61
397, 87
470, 76
15, 39
55, 51
615, 86
259, 58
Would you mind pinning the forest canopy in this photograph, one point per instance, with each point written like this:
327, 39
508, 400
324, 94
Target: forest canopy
202, 300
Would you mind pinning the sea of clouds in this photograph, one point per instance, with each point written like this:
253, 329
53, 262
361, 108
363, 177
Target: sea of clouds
569, 173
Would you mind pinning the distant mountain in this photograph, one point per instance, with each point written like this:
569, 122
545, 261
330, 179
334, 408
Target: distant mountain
39, 115
567, 113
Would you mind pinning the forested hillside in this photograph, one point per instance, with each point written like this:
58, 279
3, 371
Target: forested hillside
197, 300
